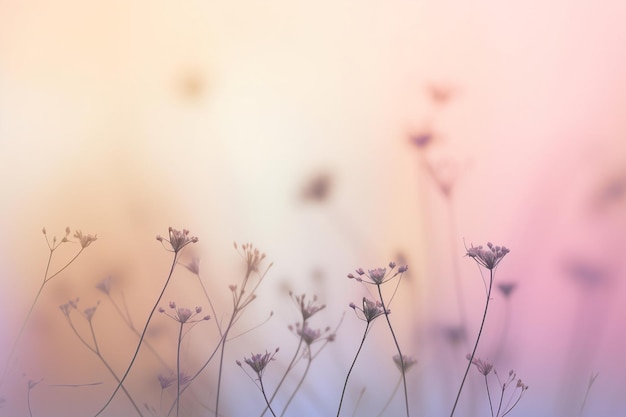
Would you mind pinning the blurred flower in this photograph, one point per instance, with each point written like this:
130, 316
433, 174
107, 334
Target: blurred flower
421, 139
506, 288
307, 308
194, 265
318, 188
308, 335
408, 362
166, 381
105, 285
85, 240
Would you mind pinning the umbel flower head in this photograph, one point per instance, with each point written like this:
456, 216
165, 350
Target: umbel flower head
85, 239
489, 257
405, 364
178, 239
306, 307
483, 367
370, 310
259, 361
378, 276
184, 315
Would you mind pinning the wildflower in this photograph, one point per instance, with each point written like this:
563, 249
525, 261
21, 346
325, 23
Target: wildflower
184, 315
89, 312
370, 309
178, 239
307, 309
483, 367
165, 381
506, 288
85, 240
408, 361
183, 378
521, 385
421, 139
378, 276
259, 361
251, 255
490, 257
193, 266
308, 335
68, 307
105, 285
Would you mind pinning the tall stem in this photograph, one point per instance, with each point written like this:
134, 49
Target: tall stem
345, 384
143, 334
482, 324
395, 340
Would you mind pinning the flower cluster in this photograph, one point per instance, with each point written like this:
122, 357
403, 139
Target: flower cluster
378, 276
85, 240
73, 305
307, 308
483, 367
177, 239
489, 257
184, 315
404, 363
259, 361
371, 310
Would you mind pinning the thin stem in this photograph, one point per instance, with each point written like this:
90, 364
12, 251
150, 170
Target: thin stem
489, 396
482, 324
131, 326
180, 338
395, 340
265, 397
206, 294
143, 334
30, 412
289, 368
293, 394
32, 306
345, 384
393, 393
96, 352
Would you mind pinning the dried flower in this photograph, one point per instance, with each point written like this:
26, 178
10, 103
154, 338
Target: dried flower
184, 315
490, 257
308, 335
89, 312
378, 276
259, 361
166, 381
85, 240
408, 361
370, 309
105, 285
483, 367
193, 266
178, 239
307, 308
506, 288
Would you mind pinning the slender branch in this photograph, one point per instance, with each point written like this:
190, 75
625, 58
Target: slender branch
482, 324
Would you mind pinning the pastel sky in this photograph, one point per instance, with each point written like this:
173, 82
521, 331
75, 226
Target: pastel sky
122, 118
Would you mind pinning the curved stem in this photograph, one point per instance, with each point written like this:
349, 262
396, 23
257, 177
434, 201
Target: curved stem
393, 334
482, 324
345, 384
143, 334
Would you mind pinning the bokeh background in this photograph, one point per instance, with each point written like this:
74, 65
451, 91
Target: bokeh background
333, 135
